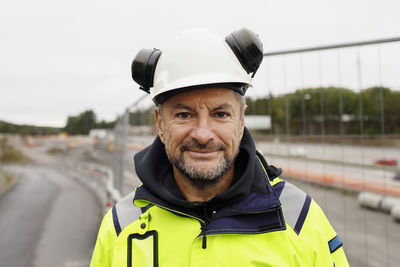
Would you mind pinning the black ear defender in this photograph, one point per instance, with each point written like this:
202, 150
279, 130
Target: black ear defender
248, 48
144, 66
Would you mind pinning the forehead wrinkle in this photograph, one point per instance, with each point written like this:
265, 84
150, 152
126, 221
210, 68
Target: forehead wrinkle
182, 106
223, 107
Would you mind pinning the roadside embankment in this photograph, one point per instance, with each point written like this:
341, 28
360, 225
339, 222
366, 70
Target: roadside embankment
7, 181
9, 154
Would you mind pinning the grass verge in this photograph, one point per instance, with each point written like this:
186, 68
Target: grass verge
9, 153
8, 181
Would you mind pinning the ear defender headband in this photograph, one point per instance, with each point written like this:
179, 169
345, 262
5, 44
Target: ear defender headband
246, 45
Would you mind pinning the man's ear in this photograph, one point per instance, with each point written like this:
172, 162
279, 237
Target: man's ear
159, 125
242, 122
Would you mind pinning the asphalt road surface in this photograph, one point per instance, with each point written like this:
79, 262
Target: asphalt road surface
47, 219
331, 152
339, 171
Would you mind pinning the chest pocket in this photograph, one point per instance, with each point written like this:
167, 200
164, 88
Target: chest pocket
143, 250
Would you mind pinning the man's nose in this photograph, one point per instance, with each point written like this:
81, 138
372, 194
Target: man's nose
202, 131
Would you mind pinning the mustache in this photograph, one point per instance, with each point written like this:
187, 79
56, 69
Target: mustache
207, 146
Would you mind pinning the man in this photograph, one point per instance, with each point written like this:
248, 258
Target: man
208, 197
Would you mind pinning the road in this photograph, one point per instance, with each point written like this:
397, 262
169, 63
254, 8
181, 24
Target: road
371, 178
330, 152
47, 219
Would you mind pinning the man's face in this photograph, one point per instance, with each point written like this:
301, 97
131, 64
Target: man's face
201, 130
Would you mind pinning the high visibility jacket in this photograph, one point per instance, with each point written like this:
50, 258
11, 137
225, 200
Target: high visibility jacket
283, 227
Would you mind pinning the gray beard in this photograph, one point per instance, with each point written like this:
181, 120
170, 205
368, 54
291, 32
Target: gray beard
202, 178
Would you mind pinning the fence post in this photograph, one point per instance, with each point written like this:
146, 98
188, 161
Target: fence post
125, 126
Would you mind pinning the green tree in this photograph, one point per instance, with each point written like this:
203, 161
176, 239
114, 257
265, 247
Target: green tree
86, 121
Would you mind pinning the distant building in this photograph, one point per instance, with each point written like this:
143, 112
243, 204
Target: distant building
258, 122
98, 133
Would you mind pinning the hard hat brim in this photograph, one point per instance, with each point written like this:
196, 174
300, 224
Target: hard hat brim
240, 88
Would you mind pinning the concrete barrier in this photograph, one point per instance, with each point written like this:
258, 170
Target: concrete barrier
370, 200
387, 204
395, 212
100, 179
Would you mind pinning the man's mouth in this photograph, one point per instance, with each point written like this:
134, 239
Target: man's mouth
202, 153
202, 148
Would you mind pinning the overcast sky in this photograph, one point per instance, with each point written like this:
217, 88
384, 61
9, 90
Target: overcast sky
61, 57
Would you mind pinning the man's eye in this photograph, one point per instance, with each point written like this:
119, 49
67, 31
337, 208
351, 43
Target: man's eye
221, 115
183, 115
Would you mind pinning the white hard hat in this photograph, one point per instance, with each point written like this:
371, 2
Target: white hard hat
199, 58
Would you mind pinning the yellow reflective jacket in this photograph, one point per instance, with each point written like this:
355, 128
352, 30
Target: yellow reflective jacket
280, 226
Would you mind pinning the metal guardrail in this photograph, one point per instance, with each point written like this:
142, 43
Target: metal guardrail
100, 179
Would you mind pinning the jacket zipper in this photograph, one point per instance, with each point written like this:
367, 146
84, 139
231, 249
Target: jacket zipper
204, 233
204, 228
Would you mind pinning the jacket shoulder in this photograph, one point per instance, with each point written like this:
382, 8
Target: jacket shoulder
119, 216
125, 212
116, 219
295, 203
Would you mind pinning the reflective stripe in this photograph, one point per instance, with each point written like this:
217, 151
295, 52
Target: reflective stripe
125, 212
115, 221
303, 215
335, 243
295, 204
